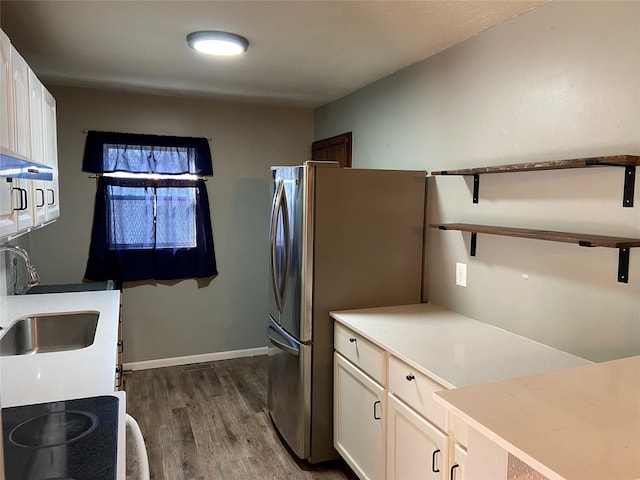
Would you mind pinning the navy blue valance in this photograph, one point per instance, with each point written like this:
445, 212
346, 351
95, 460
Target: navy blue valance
107, 152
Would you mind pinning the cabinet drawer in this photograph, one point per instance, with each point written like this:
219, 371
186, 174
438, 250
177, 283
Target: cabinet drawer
361, 352
416, 390
459, 430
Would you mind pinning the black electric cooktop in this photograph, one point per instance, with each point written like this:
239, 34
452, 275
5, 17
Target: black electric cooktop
67, 440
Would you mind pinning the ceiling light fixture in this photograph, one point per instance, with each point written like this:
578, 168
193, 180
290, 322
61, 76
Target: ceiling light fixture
218, 43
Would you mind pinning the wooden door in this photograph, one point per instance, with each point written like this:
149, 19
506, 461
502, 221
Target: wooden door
337, 149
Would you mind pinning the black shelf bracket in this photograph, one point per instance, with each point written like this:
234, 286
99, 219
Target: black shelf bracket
476, 187
623, 265
629, 185
474, 240
629, 181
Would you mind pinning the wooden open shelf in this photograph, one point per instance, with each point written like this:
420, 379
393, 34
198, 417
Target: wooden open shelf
629, 162
582, 239
615, 161
623, 244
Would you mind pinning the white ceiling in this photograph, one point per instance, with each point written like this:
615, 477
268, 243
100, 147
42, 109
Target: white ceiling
301, 53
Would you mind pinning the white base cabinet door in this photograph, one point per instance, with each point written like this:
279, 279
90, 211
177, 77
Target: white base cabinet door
416, 449
458, 463
359, 426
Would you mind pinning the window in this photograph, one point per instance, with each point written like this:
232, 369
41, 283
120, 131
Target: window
151, 214
152, 217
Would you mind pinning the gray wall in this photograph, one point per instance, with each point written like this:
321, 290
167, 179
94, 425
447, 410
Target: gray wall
561, 81
164, 321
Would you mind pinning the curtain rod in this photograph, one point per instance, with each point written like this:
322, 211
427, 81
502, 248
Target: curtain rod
98, 175
208, 138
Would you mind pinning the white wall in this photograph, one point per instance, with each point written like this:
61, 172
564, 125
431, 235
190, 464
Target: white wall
561, 81
164, 321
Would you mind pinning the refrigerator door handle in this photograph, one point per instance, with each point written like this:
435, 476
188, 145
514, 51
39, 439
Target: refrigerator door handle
280, 205
291, 346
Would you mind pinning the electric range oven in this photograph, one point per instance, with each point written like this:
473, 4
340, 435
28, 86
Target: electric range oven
63, 440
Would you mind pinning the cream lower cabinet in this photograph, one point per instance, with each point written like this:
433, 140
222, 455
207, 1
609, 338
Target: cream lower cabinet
458, 462
416, 449
359, 412
417, 445
386, 423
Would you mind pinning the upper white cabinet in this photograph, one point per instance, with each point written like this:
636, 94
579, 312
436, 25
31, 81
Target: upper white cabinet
28, 118
37, 147
6, 96
21, 111
50, 145
8, 222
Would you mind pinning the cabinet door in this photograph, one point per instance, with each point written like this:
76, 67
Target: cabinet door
22, 188
8, 217
6, 94
458, 463
37, 147
51, 153
23, 204
359, 410
416, 449
21, 112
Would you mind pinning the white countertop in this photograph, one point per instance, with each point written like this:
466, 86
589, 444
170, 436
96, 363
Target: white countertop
452, 349
580, 423
66, 375
45, 377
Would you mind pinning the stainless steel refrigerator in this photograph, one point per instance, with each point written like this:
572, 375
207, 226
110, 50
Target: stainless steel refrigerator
340, 238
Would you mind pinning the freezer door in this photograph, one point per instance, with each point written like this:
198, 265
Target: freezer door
289, 393
286, 249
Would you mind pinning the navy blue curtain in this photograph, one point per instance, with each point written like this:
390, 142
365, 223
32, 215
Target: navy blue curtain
127, 204
149, 228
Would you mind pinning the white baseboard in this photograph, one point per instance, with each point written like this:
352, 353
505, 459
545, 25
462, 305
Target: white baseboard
186, 360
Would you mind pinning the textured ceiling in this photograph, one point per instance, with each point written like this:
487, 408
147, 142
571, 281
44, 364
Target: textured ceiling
302, 53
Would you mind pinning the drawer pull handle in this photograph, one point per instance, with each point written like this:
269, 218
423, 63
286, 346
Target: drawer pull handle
453, 468
375, 412
352, 339
410, 377
119, 378
41, 192
434, 468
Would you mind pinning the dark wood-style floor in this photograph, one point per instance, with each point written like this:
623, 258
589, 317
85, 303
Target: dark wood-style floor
208, 421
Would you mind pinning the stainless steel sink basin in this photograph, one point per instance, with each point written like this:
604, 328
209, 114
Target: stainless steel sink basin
50, 333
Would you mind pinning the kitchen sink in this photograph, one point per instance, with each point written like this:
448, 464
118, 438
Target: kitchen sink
50, 333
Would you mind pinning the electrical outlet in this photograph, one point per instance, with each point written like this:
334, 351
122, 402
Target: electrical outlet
461, 274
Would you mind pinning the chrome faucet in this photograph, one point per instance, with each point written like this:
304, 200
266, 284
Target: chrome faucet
34, 278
